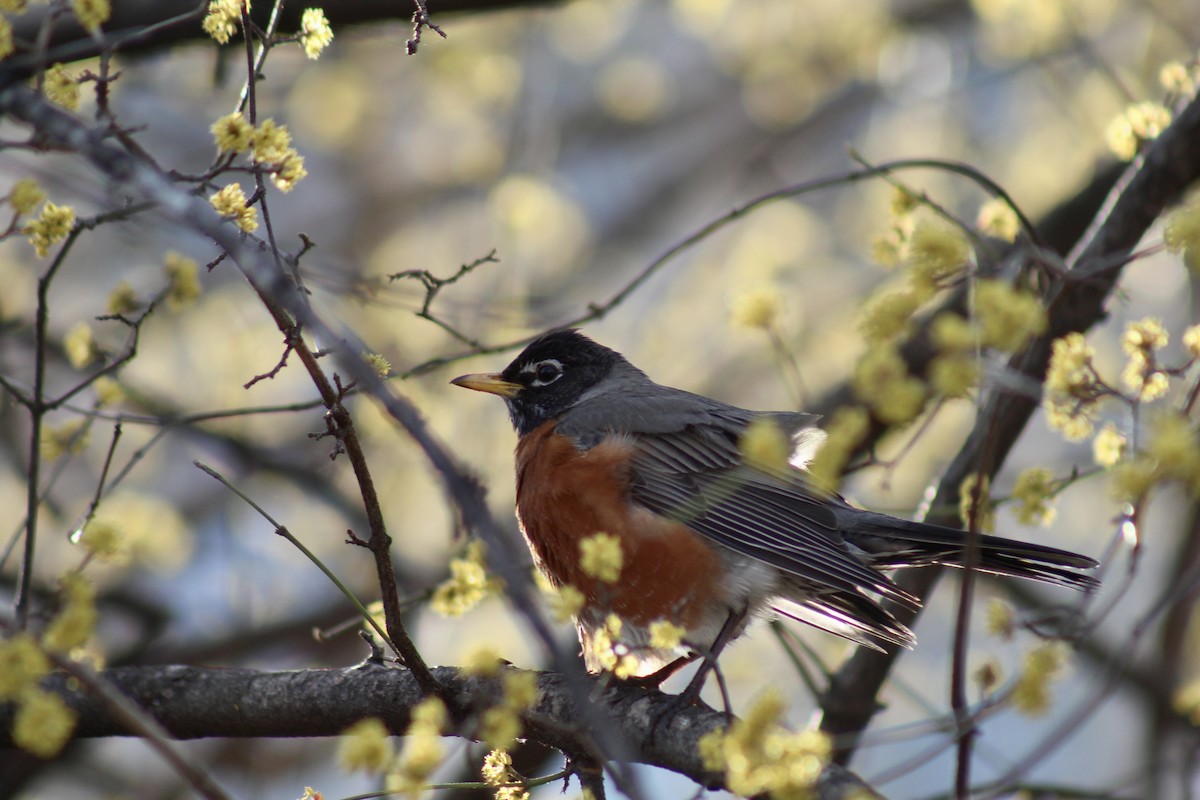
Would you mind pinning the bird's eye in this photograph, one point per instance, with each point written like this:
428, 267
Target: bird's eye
547, 372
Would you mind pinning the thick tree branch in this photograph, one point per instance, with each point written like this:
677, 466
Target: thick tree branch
199, 702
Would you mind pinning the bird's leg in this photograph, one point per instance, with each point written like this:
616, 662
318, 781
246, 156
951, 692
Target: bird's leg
732, 624
656, 678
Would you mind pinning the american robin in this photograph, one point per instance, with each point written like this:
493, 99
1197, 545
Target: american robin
708, 539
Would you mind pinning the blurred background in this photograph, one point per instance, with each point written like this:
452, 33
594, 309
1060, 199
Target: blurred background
578, 141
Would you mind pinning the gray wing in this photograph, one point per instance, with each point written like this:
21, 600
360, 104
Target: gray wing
695, 475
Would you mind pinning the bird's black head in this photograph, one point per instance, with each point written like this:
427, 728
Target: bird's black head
549, 377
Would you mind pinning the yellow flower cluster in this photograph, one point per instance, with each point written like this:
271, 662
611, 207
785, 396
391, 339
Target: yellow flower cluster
564, 601
1072, 387
22, 665
60, 88
1176, 78
270, 144
886, 315
1108, 446
611, 653
378, 364
1181, 232
955, 370
1142, 375
59, 440
935, 254
500, 725
422, 749
315, 33
1138, 123
50, 228
997, 218
25, 196
1186, 701
223, 18
365, 746
467, 585
1172, 453
600, 557
231, 202
764, 445
6, 38
1000, 620
92, 13
123, 299
1008, 317
43, 723
1043, 665
758, 756
881, 380
756, 308
183, 278
80, 345
845, 431
105, 540
74, 624
498, 773
666, 635
1034, 494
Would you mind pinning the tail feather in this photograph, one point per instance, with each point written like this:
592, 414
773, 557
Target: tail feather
891, 542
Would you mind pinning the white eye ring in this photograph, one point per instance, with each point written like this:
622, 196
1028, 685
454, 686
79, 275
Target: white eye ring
544, 372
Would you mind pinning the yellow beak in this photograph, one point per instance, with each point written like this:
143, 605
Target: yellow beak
489, 382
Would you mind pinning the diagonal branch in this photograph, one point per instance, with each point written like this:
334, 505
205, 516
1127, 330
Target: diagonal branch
1160, 176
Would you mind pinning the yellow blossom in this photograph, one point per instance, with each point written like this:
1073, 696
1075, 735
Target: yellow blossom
1172, 444
1108, 446
222, 19
423, 747
1043, 665
563, 601
365, 746
60, 88
666, 635
25, 196
1034, 493
57, 441
758, 756
315, 33
765, 445
600, 557
997, 218
1000, 619
92, 13
1186, 701
108, 391
954, 375
1191, 341
467, 585
499, 727
12, 6
272, 142
80, 345
290, 171
1181, 231
73, 625
845, 431
22, 665
1141, 373
497, 772
123, 300
887, 315
6, 38
950, 333
1008, 317
232, 133
976, 503
231, 202
904, 201
756, 308
881, 380
483, 662
987, 676
1133, 478
1138, 123
43, 723
1072, 387
183, 278
50, 228
936, 253
104, 539
1176, 78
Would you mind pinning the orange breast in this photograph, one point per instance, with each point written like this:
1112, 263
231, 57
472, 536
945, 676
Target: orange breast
564, 495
